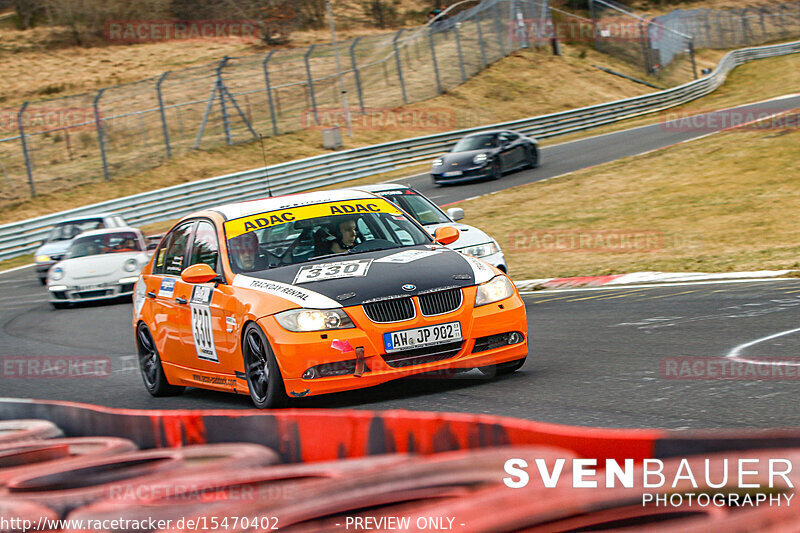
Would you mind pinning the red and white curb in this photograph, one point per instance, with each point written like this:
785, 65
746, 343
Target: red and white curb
636, 278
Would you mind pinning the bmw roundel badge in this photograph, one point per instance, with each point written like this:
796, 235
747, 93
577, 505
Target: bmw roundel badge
409, 287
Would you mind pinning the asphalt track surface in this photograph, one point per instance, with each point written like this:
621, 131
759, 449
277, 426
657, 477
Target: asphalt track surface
598, 357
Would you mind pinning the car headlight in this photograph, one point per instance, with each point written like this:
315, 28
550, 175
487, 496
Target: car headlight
314, 319
130, 265
42, 258
56, 273
438, 162
496, 289
481, 250
480, 158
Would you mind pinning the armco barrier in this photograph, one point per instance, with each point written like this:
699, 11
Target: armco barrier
453, 476
172, 202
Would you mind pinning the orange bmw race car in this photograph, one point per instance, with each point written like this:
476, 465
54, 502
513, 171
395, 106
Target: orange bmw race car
316, 293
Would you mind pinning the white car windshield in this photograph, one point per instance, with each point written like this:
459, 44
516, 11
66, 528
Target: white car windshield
70, 230
107, 243
419, 207
301, 240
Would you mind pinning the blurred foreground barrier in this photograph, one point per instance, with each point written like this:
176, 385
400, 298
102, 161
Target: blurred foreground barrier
295, 176
390, 471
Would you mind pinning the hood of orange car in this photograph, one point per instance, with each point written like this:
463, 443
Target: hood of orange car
379, 275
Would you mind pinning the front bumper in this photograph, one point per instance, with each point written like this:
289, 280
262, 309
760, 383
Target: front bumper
107, 291
43, 268
297, 352
468, 174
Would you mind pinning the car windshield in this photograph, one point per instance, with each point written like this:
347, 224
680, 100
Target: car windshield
476, 142
419, 207
70, 230
297, 235
107, 243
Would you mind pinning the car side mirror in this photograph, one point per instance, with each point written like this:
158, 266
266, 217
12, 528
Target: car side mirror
446, 235
455, 213
199, 273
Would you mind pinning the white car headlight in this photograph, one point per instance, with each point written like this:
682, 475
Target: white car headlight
56, 273
300, 320
438, 162
480, 158
481, 250
42, 258
130, 265
496, 289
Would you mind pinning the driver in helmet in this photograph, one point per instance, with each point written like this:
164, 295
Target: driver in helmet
244, 249
344, 236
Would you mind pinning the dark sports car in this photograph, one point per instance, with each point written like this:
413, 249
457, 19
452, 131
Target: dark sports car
488, 154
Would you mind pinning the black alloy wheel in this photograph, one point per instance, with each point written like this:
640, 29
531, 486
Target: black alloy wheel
261, 368
150, 365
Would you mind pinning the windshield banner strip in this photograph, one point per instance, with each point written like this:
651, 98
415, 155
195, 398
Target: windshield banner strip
239, 226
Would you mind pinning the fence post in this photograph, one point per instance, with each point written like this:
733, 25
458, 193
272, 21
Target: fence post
480, 40
99, 125
456, 27
221, 94
498, 29
691, 56
435, 64
784, 32
399, 65
311, 83
356, 74
28, 166
645, 52
163, 113
269, 92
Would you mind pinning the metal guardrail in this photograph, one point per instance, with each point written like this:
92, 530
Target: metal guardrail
172, 202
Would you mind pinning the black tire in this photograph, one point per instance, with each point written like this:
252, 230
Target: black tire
264, 379
503, 368
497, 170
43, 281
59, 305
150, 365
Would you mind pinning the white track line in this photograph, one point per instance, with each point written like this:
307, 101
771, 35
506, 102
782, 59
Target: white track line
734, 353
544, 292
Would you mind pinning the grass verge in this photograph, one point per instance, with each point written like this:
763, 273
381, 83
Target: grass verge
723, 203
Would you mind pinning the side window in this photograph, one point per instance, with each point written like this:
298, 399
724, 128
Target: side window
205, 248
170, 255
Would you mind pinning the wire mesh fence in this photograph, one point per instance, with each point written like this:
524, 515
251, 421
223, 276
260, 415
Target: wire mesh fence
60, 143
654, 49
664, 46
728, 28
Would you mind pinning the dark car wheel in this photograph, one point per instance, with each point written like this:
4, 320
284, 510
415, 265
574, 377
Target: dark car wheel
150, 365
59, 305
43, 281
261, 368
497, 171
503, 368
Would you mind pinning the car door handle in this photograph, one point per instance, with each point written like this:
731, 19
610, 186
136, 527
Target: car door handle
181, 301
151, 294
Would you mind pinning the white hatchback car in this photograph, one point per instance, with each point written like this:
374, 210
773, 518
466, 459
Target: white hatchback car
99, 264
471, 240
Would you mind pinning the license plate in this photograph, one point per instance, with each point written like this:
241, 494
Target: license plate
452, 173
90, 287
408, 339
